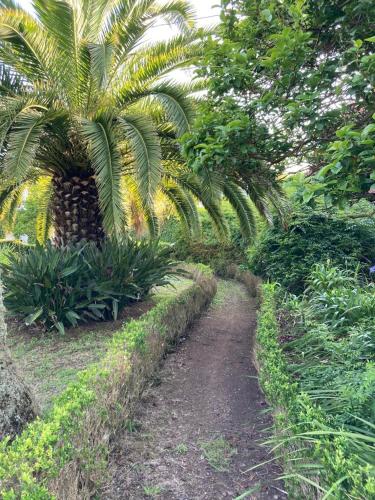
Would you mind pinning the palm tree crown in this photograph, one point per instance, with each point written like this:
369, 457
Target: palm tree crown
85, 100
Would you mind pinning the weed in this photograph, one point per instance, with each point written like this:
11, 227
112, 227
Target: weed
152, 491
218, 453
131, 425
181, 448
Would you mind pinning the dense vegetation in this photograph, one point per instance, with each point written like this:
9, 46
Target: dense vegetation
116, 172
63, 287
316, 353
286, 254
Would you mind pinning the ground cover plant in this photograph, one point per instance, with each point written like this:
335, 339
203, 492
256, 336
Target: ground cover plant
60, 287
317, 364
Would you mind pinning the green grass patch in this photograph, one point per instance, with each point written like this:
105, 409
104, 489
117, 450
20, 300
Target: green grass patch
218, 453
49, 362
152, 491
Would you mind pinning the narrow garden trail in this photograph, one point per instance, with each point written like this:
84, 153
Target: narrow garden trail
198, 428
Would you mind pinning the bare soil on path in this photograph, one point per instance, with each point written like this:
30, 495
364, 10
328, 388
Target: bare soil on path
199, 427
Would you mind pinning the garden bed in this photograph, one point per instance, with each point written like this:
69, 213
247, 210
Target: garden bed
49, 361
64, 454
318, 457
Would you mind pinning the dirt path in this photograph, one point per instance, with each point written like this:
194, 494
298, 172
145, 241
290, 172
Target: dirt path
198, 428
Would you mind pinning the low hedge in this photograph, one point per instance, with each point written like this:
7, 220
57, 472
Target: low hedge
65, 454
303, 434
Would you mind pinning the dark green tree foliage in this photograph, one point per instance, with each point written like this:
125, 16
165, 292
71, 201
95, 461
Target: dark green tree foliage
284, 78
287, 255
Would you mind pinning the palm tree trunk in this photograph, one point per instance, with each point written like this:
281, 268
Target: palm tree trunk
76, 211
17, 407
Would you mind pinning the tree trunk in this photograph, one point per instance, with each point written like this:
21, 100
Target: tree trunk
17, 407
76, 212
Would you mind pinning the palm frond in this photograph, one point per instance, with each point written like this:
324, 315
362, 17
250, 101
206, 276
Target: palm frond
184, 206
22, 143
43, 221
26, 48
151, 221
11, 83
243, 209
177, 12
179, 108
154, 60
9, 205
101, 59
144, 143
192, 183
128, 22
106, 161
64, 23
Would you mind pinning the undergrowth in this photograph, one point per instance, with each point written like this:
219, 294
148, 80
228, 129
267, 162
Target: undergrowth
317, 370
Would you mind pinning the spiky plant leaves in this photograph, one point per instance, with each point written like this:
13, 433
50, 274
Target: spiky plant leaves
57, 288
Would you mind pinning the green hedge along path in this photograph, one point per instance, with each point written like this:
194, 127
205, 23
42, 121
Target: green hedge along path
197, 431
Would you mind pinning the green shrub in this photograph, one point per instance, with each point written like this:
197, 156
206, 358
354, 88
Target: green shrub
208, 249
287, 254
59, 287
218, 256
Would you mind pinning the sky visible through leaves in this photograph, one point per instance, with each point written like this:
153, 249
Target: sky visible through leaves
208, 12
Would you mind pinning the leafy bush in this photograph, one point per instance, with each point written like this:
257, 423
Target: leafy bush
209, 249
219, 257
59, 287
287, 254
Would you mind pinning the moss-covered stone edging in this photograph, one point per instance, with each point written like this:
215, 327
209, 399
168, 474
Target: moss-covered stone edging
64, 456
340, 472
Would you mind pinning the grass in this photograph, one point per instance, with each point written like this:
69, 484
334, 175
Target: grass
177, 286
181, 449
49, 362
152, 491
227, 288
218, 453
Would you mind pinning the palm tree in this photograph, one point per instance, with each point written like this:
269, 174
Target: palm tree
80, 87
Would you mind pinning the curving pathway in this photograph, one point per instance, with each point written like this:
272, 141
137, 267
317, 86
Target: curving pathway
198, 428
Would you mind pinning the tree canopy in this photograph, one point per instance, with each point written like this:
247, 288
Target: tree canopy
291, 83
